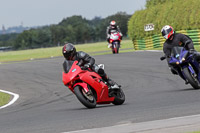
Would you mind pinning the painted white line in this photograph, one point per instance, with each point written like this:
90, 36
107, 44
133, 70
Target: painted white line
15, 97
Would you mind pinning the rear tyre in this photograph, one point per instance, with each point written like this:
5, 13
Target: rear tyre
119, 96
191, 79
88, 100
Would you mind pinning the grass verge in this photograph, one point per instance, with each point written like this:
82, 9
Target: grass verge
4, 98
92, 48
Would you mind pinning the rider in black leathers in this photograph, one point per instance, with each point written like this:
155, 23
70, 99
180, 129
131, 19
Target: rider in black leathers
86, 61
176, 39
111, 28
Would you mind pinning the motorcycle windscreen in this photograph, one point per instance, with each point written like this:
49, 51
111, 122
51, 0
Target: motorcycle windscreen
67, 65
176, 51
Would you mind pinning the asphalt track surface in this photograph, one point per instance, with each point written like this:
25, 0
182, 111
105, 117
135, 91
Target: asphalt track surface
47, 106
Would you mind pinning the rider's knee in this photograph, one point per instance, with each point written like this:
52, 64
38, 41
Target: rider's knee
101, 72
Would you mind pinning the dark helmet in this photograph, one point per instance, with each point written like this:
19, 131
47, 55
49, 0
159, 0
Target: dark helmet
68, 51
167, 31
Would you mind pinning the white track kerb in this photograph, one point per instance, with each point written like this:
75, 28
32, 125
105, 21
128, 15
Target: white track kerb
15, 97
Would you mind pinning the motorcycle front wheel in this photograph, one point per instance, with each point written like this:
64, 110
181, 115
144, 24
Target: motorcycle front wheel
115, 48
119, 96
191, 79
87, 99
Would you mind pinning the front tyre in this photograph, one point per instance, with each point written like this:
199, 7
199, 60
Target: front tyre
113, 48
119, 96
117, 47
88, 100
191, 79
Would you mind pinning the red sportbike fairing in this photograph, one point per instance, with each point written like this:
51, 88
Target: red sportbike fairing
89, 87
115, 39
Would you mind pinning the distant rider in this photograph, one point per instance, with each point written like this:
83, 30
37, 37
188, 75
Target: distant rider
86, 61
112, 28
176, 39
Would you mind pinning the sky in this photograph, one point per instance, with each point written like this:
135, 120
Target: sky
46, 12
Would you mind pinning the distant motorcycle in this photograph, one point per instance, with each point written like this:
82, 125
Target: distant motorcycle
186, 66
115, 39
89, 87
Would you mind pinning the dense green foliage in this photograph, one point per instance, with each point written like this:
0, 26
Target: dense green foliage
7, 39
150, 3
75, 29
180, 14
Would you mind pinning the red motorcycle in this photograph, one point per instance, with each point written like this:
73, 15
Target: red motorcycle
89, 87
115, 39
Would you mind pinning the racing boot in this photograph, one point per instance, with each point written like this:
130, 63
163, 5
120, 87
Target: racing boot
173, 70
109, 45
112, 84
186, 82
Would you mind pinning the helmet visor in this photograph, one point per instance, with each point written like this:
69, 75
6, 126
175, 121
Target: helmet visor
165, 33
68, 55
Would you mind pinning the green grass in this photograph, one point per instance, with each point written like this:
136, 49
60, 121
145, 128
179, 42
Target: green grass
4, 98
92, 48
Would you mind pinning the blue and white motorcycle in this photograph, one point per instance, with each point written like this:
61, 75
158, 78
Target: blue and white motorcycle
186, 66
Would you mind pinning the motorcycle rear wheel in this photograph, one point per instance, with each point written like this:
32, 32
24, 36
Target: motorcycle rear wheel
88, 101
191, 79
119, 96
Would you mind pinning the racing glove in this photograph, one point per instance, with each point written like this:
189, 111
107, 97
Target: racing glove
86, 66
192, 51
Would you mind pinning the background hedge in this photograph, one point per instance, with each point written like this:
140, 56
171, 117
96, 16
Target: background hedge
180, 14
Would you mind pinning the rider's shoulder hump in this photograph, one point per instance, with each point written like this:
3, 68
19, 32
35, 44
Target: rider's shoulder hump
82, 54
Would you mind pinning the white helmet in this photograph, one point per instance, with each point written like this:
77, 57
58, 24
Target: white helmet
167, 31
113, 23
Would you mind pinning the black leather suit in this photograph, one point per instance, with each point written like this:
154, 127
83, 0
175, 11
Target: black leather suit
182, 41
178, 40
85, 59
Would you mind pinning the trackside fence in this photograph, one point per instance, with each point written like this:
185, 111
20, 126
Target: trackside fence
156, 41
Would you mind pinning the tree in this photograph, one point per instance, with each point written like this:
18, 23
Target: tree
74, 29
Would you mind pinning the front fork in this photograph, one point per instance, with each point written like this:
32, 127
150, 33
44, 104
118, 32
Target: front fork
194, 74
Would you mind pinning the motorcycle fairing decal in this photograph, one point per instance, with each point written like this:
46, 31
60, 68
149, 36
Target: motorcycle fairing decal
74, 70
177, 55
